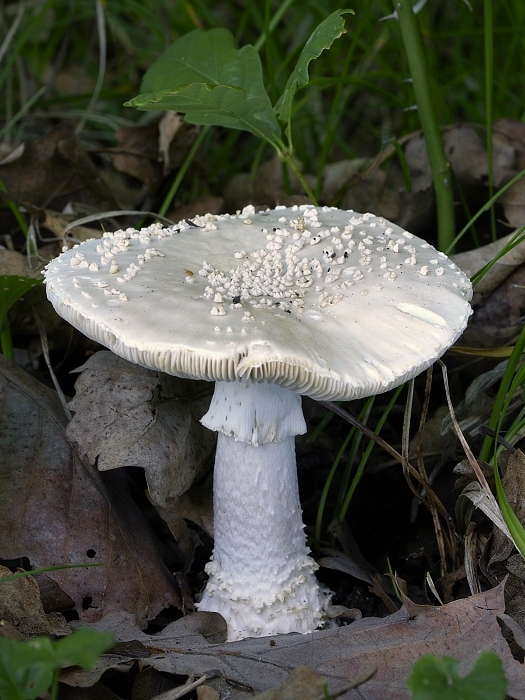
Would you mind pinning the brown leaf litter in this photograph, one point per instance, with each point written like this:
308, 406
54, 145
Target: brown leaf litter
461, 629
129, 416
55, 170
22, 614
56, 509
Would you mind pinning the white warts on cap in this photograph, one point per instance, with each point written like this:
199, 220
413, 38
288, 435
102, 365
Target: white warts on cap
269, 305
310, 282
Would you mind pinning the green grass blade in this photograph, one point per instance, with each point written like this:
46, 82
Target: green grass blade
510, 517
489, 102
427, 114
504, 394
366, 455
483, 209
516, 239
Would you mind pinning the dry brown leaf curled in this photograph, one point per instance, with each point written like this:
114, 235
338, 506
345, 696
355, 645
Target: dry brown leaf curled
56, 509
461, 629
126, 415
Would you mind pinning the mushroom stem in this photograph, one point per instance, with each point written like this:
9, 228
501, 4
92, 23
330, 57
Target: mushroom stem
261, 577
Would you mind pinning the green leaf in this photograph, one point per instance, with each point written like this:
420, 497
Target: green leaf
216, 105
25, 673
82, 648
205, 77
27, 669
435, 678
12, 287
322, 38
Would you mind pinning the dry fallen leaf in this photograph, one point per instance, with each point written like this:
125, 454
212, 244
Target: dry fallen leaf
466, 152
513, 482
473, 260
195, 505
513, 130
14, 263
461, 629
126, 415
206, 204
57, 509
418, 163
499, 320
176, 137
504, 562
137, 154
206, 692
301, 684
513, 201
266, 187
56, 223
22, 615
338, 175
54, 170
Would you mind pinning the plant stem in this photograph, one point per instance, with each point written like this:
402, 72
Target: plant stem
438, 163
489, 102
54, 685
182, 171
288, 159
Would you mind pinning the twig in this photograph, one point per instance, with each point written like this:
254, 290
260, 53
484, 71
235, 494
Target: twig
361, 678
45, 350
102, 57
349, 418
181, 691
335, 408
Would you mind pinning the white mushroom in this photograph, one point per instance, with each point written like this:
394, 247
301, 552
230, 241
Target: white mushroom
250, 323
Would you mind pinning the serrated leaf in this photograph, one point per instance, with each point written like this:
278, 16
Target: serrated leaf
435, 678
205, 77
321, 38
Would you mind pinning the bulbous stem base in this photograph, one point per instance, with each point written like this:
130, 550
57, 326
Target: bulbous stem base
261, 578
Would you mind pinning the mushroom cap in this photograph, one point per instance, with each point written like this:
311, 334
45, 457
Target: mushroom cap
328, 303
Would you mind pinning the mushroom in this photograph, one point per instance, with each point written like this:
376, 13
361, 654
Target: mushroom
270, 306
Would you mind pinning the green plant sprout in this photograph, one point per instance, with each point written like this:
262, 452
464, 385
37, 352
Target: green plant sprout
205, 77
12, 288
28, 669
437, 678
